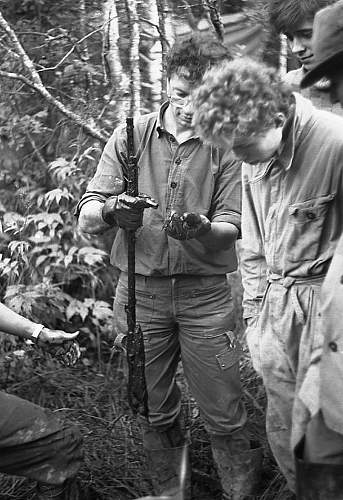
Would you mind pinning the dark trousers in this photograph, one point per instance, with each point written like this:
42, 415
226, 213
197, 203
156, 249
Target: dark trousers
322, 445
35, 443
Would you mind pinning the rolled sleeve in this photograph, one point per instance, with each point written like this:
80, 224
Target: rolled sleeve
111, 166
227, 196
89, 196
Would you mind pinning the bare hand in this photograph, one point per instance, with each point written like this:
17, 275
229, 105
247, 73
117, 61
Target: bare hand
56, 336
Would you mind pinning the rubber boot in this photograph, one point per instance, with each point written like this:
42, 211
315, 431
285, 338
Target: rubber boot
316, 481
239, 471
168, 462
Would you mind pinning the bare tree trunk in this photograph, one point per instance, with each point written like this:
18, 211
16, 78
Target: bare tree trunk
212, 9
135, 76
162, 17
84, 45
155, 55
190, 16
114, 70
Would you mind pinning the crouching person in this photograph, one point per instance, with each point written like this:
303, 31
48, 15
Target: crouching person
291, 220
34, 442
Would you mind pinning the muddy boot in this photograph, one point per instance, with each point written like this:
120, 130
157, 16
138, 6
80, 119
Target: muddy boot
239, 471
316, 481
168, 463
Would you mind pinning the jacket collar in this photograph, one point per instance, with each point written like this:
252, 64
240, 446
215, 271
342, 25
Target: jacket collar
295, 129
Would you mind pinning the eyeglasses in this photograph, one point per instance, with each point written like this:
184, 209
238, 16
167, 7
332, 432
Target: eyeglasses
179, 102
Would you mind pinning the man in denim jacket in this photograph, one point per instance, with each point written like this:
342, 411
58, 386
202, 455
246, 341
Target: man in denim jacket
291, 221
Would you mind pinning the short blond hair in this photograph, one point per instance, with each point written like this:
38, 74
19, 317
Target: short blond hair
240, 98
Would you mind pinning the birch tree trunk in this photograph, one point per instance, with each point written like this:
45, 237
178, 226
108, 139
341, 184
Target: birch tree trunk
162, 17
114, 71
155, 59
135, 76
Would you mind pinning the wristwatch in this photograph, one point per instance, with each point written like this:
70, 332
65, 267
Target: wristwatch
36, 331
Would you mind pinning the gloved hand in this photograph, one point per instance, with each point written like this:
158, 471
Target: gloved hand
186, 226
126, 211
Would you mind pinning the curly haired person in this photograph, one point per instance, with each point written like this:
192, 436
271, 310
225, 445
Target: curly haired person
184, 301
292, 208
294, 18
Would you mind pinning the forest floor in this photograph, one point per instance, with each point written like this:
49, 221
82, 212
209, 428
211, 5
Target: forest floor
94, 398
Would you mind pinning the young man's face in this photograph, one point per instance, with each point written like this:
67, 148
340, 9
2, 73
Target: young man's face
336, 87
254, 149
179, 91
300, 42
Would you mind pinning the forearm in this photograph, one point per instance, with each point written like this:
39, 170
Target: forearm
15, 324
90, 218
221, 236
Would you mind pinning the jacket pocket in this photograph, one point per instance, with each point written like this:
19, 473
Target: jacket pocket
305, 226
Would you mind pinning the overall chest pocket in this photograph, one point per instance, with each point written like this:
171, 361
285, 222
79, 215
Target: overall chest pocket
306, 221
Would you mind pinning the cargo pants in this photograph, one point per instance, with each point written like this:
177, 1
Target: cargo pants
35, 443
191, 318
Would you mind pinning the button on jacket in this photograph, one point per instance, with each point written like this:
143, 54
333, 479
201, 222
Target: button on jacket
186, 177
292, 205
331, 388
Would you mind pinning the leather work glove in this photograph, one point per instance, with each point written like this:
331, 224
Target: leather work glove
126, 211
186, 226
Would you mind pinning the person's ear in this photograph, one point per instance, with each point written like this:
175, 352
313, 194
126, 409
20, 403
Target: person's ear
280, 120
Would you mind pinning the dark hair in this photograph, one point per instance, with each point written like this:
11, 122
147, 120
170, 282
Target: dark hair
240, 98
287, 15
192, 57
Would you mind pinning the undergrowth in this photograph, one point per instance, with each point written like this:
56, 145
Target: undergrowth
94, 398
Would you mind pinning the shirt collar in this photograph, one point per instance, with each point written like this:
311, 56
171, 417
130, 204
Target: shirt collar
160, 128
286, 151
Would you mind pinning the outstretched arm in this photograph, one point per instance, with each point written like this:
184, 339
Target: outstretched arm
15, 324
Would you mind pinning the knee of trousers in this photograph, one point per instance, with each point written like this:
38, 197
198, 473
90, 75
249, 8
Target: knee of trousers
68, 455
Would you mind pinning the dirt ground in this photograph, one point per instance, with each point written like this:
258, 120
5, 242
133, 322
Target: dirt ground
95, 399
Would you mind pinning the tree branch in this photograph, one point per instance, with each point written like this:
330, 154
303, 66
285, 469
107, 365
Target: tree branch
36, 83
96, 133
